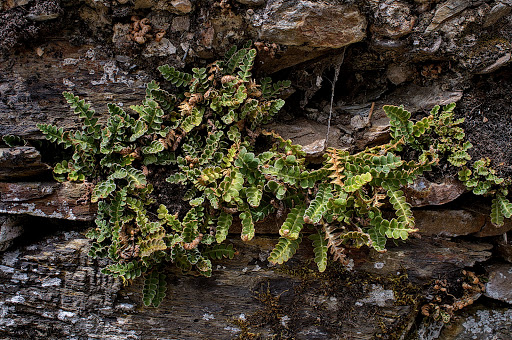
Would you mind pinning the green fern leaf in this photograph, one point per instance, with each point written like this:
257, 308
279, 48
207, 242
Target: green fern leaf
318, 206
55, 134
220, 251
284, 250
174, 76
224, 223
136, 178
402, 208
501, 208
356, 182
320, 250
292, 227
247, 226
231, 186
254, 195
154, 289
102, 190
155, 146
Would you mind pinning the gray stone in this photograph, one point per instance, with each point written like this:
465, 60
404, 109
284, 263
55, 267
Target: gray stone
479, 322
162, 48
19, 162
398, 74
10, 229
180, 24
499, 286
182, 6
393, 18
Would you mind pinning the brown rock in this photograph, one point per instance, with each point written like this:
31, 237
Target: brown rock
448, 222
252, 2
182, 6
445, 11
423, 192
20, 162
53, 200
315, 24
489, 229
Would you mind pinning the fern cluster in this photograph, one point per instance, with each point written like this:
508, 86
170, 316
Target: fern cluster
204, 133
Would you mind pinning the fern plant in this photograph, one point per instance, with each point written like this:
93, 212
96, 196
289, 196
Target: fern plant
204, 134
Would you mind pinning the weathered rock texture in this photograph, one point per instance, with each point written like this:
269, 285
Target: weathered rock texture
416, 53
52, 289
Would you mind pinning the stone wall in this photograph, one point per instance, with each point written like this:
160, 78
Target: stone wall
417, 53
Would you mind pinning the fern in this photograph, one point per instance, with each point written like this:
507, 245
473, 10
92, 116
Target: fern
154, 289
501, 208
174, 76
284, 250
292, 227
318, 206
220, 251
203, 136
320, 250
247, 226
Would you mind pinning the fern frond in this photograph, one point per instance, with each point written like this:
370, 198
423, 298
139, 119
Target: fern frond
154, 289
292, 227
320, 250
284, 250
501, 208
220, 251
102, 190
402, 208
318, 206
247, 226
224, 223
174, 76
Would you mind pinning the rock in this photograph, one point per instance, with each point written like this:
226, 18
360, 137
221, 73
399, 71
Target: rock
52, 200
182, 6
449, 222
180, 24
310, 134
162, 48
252, 2
499, 284
505, 251
378, 296
489, 229
393, 18
445, 11
497, 64
11, 227
426, 258
497, 12
423, 192
479, 322
19, 162
31, 87
398, 74
314, 24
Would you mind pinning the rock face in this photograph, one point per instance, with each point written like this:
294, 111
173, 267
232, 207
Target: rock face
52, 289
414, 53
499, 286
53, 200
311, 23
